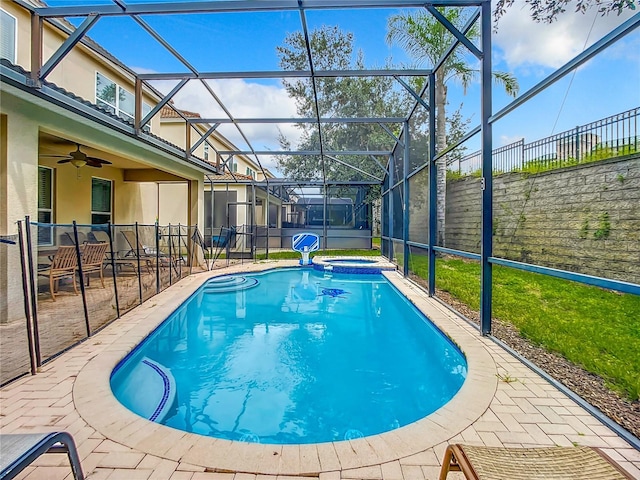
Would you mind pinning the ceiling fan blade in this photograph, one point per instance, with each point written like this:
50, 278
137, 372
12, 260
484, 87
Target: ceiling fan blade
93, 164
98, 160
66, 160
46, 155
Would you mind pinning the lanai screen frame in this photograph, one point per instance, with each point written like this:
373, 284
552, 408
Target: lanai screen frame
482, 13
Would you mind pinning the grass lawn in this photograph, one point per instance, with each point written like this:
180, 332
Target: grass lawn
595, 328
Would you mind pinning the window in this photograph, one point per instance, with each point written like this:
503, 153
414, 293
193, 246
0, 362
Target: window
101, 201
206, 151
45, 205
8, 36
233, 165
117, 100
251, 172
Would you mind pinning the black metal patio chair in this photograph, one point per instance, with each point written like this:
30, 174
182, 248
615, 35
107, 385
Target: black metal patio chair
19, 450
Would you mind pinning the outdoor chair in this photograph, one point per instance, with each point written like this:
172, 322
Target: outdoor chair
148, 254
135, 246
559, 463
63, 265
137, 250
68, 238
18, 451
98, 236
221, 242
101, 236
92, 259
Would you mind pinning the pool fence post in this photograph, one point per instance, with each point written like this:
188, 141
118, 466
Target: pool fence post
113, 267
25, 297
81, 275
170, 257
191, 249
137, 247
34, 293
179, 252
433, 188
157, 240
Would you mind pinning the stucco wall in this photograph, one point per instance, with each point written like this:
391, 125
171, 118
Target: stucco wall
174, 131
584, 219
77, 71
173, 203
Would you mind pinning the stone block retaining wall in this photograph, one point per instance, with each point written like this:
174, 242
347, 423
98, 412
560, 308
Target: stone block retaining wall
583, 219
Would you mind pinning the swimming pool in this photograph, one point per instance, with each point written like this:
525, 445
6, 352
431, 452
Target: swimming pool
300, 357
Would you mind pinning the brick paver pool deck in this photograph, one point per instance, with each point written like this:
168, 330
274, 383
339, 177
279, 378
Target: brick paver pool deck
502, 403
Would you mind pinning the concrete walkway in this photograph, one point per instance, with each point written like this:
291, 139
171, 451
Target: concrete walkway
505, 404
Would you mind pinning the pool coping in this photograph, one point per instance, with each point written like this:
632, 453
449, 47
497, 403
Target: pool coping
379, 265
96, 404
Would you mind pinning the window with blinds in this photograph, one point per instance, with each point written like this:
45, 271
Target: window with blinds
45, 205
7, 36
101, 201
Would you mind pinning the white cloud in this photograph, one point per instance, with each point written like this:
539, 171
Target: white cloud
509, 139
526, 43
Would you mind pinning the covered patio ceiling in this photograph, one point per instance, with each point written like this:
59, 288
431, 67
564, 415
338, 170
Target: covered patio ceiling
84, 17
57, 148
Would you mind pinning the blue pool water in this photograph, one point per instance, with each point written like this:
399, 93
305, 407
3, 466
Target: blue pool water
300, 357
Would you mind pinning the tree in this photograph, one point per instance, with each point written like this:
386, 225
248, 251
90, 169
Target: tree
548, 10
426, 40
332, 49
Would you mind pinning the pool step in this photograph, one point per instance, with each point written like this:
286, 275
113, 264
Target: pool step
227, 283
151, 390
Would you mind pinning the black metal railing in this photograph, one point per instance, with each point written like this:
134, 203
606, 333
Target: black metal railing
610, 137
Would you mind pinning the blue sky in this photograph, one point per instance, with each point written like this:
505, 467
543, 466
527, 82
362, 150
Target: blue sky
608, 84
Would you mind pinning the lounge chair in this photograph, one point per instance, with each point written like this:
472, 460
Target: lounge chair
18, 451
135, 247
221, 242
559, 463
137, 250
68, 238
98, 236
63, 265
92, 259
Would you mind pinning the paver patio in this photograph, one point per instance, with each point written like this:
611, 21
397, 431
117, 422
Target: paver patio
66, 395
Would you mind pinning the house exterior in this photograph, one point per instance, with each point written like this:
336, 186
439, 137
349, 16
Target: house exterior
85, 104
228, 197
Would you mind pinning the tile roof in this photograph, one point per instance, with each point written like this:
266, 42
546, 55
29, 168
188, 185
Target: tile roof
227, 177
168, 112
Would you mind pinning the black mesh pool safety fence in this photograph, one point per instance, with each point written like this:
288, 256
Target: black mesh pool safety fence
16, 349
75, 279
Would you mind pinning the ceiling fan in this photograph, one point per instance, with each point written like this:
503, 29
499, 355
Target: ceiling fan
78, 159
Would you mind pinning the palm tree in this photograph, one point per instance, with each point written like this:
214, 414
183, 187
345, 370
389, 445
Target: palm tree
426, 40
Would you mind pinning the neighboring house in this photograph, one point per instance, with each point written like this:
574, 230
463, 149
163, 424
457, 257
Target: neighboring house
86, 100
231, 204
